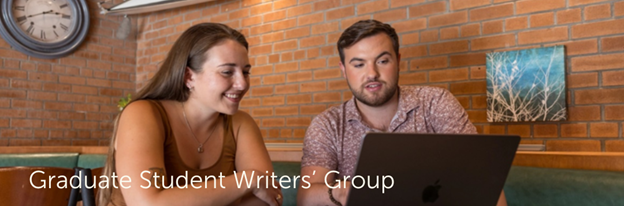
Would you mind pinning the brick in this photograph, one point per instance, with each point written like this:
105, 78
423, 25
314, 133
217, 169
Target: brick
30, 123
569, 16
464, 4
16, 74
609, 44
400, 3
448, 19
299, 76
414, 51
413, 78
260, 9
312, 41
261, 29
273, 122
580, 80
530, 6
11, 93
274, 16
284, 24
274, 79
475, 87
545, 131
600, 28
297, 32
261, 91
247, 102
257, 50
262, 112
337, 85
448, 75
313, 64
427, 9
579, 47
614, 112
479, 102
477, 116
492, 27
24, 142
449, 47
543, 35
391, 15
286, 67
312, 109
477, 72
286, 89
284, 46
371, 7
500, 41
272, 37
340, 13
407, 39
313, 86
604, 130
299, 10
597, 12
573, 145
299, 99
325, 28
429, 63
543, 19
574, 130
327, 97
23, 84
327, 73
618, 8
494, 129
467, 59
272, 101
614, 146
280, 4
492, 12
429, 36
613, 78
449, 33
310, 19
598, 62
520, 130
583, 113
298, 122
410, 25
286, 111
581, 2
470, 30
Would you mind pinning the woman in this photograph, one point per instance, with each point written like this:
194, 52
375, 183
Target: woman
186, 122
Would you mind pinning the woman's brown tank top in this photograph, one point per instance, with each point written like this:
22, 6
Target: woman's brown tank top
174, 166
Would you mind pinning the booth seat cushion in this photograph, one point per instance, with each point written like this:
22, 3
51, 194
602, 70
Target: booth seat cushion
65, 160
91, 160
548, 186
290, 169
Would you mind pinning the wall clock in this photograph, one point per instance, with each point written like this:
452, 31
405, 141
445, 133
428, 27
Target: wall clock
44, 28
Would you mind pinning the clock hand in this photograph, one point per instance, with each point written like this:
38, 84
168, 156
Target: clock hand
45, 12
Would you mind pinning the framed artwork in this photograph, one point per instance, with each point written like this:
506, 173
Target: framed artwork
526, 85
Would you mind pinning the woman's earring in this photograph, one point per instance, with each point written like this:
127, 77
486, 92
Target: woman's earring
190, 88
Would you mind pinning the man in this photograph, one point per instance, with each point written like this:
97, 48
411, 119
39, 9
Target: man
369, 60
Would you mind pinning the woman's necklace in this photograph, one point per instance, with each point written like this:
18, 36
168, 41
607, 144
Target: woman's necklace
200, 149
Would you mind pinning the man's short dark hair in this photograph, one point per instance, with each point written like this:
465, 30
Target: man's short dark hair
363, 29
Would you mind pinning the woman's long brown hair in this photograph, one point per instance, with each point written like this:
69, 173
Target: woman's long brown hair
168, 83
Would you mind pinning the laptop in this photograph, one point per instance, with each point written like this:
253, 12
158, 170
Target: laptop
431, 169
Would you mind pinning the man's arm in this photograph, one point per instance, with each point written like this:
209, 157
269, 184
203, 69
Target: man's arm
317, 193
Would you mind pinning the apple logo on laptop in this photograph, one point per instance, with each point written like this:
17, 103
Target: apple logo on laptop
430, 194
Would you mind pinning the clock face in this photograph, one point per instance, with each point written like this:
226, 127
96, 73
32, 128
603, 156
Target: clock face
46, 21
44, 28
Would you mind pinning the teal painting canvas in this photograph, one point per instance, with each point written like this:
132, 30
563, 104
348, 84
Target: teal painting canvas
526, 85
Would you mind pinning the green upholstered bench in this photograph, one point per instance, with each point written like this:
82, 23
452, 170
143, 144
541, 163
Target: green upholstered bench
530, 186
549, 186
65, 160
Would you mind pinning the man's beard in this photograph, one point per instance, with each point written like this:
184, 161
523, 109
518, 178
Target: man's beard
377, 99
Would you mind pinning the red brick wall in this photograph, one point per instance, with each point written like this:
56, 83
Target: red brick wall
296, 74
66, 101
